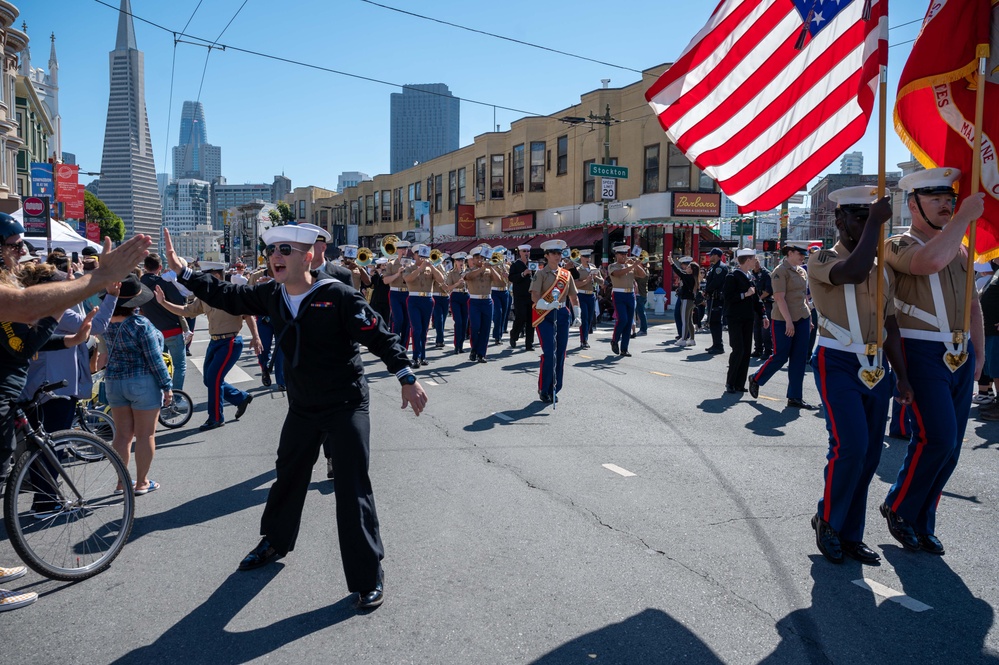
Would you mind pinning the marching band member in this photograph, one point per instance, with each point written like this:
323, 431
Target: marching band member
521, 276
459, 300
622, 274
398, 292
931, 268
480, 278
419, 278
550, 288
439, 317
790, 327
501, 300
590, 280
742, 306
849, 374
359, 278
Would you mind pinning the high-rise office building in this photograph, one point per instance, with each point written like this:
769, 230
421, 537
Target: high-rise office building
128, 172
425, 121
226, 196
852, 163
193, 156
350, 179
187, 204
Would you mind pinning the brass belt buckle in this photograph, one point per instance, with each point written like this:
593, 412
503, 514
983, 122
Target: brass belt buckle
871, 350
958, 337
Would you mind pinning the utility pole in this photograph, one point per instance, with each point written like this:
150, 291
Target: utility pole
606, 121
783, 224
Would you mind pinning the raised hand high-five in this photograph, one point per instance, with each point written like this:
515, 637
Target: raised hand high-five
176, 262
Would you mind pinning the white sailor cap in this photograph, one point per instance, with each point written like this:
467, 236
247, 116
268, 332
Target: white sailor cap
485, 252
931, 181
322, 233
800, 245
742, 253
586, 252
621, 249
423, 251
207, 266
380, 261
402, 244
555, 245
459, 256
863, 195
290, 233
526, 248
349, 251
445, 256
686, 259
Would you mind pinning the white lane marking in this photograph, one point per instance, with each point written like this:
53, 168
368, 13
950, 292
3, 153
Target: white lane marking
503, 416
897, 596
430, 383
618, 470
235, 375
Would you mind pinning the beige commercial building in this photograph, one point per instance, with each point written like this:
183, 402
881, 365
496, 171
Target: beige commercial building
12, 42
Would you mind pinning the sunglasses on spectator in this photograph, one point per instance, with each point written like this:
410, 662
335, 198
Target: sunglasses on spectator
284, 248
19, 245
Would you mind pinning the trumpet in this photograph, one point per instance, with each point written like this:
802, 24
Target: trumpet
388, 246
364, 257
644, 257
436, 257
574, 256
498, 257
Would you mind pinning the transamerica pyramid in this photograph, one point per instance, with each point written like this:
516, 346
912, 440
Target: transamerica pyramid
128, 172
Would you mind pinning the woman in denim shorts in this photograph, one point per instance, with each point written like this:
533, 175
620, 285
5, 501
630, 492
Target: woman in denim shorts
137, 380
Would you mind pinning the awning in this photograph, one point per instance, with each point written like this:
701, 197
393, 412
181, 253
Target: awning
456, 245
582, 238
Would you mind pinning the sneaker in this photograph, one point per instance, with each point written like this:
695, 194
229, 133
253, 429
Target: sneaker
981, 398
8, 574
11, 600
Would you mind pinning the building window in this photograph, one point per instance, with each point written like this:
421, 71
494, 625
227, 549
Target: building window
353, 213
369, 209
562, 152
397, 211
378, 202
412, 197
461, 185
518, 168
679, 169
480, 178
301, 209
438, 192
419, 190
360, 210
589, 182
537, 166
706, 183
452, 189
386, 205
651, 183
496, 177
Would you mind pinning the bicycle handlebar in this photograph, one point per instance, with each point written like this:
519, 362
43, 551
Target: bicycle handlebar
47, 387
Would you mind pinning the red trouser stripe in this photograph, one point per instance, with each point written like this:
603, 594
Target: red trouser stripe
773, 350
541, 372
915, 458
827, 496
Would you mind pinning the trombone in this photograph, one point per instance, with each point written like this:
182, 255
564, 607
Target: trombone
388, 246
364, 257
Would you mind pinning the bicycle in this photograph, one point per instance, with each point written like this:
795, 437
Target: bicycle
65, 509
181, 408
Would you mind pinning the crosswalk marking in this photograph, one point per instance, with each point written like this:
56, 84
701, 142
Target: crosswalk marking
235, 375
905, 601
618, 470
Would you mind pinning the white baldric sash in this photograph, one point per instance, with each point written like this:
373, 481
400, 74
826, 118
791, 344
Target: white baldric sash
852, 340
956, 341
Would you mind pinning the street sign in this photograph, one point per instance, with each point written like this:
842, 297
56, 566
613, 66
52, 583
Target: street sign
608, 189
608, 171
36, 215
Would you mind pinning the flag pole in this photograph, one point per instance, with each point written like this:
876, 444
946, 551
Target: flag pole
976, 177
882, 157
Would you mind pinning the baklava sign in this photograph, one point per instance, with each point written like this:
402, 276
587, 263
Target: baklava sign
696, 204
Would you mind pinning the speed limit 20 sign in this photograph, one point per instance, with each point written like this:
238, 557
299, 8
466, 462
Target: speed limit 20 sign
608, 189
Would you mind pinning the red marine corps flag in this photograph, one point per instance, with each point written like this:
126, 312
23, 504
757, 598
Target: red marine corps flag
935, 105
771, 92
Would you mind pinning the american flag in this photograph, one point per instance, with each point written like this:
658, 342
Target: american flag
771, 92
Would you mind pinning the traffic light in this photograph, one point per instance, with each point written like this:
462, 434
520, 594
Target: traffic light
769, 245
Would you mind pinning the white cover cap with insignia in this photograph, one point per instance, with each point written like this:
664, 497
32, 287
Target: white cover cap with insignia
322, 233
931, 181
742, 253
380, 261
586, 252
299, 233
402, 244
800, 245
459, 256
862, 195
686, 259
621, 249
555, 245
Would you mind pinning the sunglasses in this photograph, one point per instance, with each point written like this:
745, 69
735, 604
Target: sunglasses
19, 245
284, 248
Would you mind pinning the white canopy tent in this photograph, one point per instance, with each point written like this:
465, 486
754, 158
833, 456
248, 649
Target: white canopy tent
62, 236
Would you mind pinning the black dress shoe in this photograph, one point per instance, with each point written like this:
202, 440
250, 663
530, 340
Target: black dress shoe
615, 349
730, 390
472, 356
423, 362
625, 354
741, 390
513, 344
261, 555
900, 530
241, 409
827, 540
547, 399
439, 345
930, 543
210, 425
754, 388
861, 552
529, 348
480, 359
371, 599
796, 403
415, 364
265, 378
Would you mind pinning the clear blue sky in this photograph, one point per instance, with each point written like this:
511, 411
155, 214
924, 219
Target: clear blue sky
271, 117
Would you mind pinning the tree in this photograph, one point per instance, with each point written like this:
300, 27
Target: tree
97, 211
285, 211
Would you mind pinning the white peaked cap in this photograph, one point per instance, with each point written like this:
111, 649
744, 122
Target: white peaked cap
862, 195
941, 178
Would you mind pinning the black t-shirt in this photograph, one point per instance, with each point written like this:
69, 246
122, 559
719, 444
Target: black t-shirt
152, 310
989, 298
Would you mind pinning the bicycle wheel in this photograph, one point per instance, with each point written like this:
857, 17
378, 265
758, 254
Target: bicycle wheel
99, 423
179, 412
62, 533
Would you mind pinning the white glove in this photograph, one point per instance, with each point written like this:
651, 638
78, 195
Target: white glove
544, 306
577, 313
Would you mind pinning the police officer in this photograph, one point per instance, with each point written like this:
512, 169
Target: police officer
551, 287
589, 283
622, 274
742, 306
398, 292
849, 372
713, 285
520, 277
791, 326
455, 285
223, 352
420, 278
320, 324
941, 356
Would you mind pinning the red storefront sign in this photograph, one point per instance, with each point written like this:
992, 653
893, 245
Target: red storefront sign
519, 222
465, 221
696, 204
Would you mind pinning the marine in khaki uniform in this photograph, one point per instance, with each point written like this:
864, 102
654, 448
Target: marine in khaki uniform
420, 278
551, 287
224, 349
439, 317
480, 278
398, 292
943, 358
455, 285
359, 278
622, 275
849, 373
589, 283
790, 327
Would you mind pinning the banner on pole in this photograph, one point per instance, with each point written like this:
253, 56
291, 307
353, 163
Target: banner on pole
67, 179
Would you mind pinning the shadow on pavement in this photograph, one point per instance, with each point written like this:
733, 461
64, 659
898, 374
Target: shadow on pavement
768, 421
719, 404
203, 631
488, 422
650, 637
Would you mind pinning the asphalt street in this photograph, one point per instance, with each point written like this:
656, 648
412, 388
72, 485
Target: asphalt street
648, 518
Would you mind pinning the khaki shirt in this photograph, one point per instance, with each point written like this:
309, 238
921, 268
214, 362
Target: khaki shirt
392, 267
482, 285
424, 279
830, 300
254, 277
355, 277
219, 321
453, 278
915, 289
625, 282
793, 283
543, 280
589, 278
